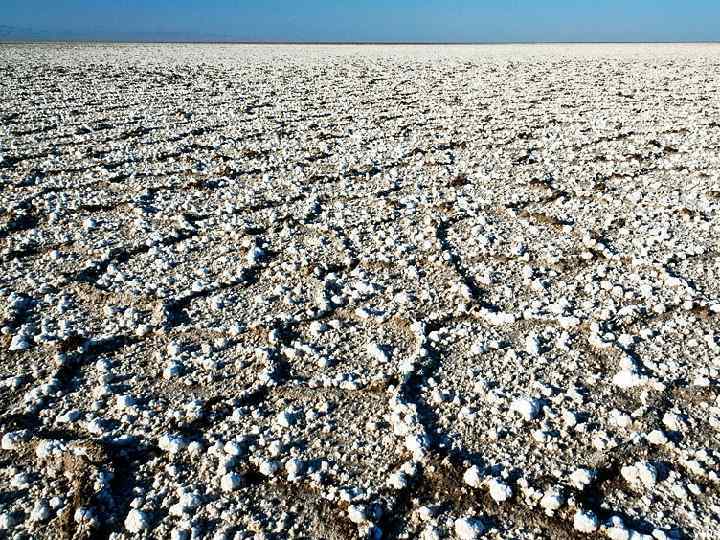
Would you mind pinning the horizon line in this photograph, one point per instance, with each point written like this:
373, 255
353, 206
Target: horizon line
274, 42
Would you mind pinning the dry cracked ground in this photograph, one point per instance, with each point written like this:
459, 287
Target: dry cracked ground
336, 292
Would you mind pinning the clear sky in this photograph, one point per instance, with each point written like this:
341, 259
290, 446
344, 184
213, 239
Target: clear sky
362, 20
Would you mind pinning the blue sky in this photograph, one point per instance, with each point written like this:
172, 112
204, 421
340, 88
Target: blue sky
362, 20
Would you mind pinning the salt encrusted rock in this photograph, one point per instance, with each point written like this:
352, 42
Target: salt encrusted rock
529, 409
469, 528
137, 521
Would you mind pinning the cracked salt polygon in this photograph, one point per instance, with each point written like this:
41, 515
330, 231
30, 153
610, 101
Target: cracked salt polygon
472, 477
527, 408
469, 528
499, 491
230, 482
585, 521
136, 521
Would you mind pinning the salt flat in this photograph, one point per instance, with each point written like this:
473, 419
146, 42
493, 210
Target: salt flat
359, 291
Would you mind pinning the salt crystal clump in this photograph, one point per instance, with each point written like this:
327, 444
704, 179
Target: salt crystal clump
357, 513
137, 521
469, 528
40, 511
641, 473
585, 521
268, 467
498, 318
532, 345
417, 443
230, 482
552, 500
14, 439
19, 342
499, 491
473, 477
674, 421
629, 378
255, 255
527, 408
172, 444
294, 468
582, 477
376, 352
49, 448
402, 478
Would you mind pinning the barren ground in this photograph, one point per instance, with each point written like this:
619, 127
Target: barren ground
322, 292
